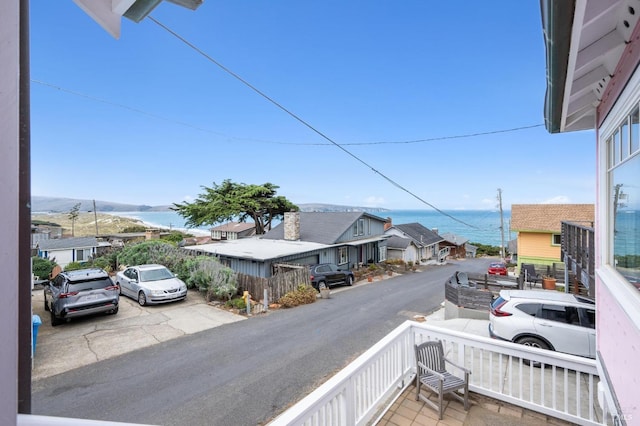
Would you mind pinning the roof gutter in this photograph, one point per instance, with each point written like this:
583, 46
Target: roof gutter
557, 24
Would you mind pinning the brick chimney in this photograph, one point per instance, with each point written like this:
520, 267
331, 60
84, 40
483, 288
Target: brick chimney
388, 224
292, 226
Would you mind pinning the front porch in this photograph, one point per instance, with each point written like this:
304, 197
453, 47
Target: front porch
406, 411
376, 388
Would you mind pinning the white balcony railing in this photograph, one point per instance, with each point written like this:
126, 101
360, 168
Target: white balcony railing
562, 386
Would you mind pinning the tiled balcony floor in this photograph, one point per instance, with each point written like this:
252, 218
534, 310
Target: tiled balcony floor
406, 411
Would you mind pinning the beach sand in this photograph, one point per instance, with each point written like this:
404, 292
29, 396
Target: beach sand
85, 223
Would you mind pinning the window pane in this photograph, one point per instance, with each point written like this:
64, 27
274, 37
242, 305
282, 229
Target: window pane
529, 308
616, 147
553, 313
635, 129
626, 219
624, 140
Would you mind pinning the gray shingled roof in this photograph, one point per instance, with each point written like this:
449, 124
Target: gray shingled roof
455, 239
396, 242
321, 227
422, 235
234, 227
67, 243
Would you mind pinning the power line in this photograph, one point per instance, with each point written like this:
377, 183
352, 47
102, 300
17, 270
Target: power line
182, 123
303, 122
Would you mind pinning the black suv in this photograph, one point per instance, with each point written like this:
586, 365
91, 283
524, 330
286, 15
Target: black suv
78, 293
325, 275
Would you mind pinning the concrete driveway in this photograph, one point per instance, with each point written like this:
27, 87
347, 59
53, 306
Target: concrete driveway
87, 340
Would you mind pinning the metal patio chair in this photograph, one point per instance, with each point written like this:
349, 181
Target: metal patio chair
431, 373
530, 274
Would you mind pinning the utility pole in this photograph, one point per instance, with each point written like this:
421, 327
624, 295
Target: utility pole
501, 224
95, 216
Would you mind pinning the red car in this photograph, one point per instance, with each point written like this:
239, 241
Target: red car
497, 268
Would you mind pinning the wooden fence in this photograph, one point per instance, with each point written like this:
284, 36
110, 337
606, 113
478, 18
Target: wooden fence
277, 285
467, 297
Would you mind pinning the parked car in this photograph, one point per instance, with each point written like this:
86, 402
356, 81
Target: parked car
545, 319
497, 268
151, 284
80, 293
325, 275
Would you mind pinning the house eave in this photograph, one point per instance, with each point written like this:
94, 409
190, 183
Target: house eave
557, 39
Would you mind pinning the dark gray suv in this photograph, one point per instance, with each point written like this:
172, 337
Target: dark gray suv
326, 275
79, 293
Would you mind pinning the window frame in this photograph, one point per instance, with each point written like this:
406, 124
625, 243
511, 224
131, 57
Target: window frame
343, 255
621, 290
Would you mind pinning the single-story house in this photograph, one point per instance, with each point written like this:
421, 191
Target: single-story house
539, 229
456, 245
347, 239
399, 248
424, 242
233, 231
67, 250
470, 250
44, 232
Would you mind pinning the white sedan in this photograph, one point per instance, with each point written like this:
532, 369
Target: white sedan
151, 284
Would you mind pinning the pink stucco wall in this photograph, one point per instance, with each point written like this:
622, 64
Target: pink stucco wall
618, 340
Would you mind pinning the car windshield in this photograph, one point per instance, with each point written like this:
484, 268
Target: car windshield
90, 285
497, 265
155, 274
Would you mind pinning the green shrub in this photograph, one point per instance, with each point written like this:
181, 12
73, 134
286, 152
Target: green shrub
42, 267
74, 266
237, 303
154, 251
134, 228
303, 295
174, 237
210, 276
102, 262
486, 250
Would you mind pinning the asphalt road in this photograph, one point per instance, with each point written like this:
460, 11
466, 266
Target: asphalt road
245, 373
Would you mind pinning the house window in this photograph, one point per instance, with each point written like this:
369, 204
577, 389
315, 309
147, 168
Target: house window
343, 255
635, 135
623, 151
556, 239
382, 253
358, 227
82, 255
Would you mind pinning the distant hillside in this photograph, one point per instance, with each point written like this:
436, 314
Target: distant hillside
316, 207
40, 204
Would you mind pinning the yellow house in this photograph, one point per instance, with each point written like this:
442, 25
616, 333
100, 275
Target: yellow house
539, 229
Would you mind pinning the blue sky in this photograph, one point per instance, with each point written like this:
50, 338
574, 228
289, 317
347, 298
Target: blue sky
147, 120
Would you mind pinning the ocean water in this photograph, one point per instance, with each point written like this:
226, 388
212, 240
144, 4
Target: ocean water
478, 226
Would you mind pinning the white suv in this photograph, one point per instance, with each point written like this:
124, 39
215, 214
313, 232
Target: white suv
545, 319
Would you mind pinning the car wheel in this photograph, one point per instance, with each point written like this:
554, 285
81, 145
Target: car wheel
114, 311
533, 342
55, 321
46, 304
349, 280
142, 299
322, 285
